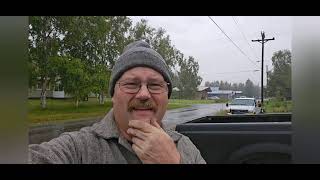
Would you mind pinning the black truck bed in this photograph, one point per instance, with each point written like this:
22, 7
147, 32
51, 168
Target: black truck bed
263, 138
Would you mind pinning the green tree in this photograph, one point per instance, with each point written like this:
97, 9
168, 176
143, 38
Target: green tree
43, 43
188, 77
141, 31
158, 40
75, 78
215, 84
257, 91
234, 87
61, 47
117, 38
241, 87
84, 38
162, 44
95, 41
100, 82
279, 80
176, 84
249, 88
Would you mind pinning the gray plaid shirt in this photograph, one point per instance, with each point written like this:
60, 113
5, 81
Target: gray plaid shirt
102, 143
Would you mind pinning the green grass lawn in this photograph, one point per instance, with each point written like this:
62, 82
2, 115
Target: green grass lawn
65, 109
62, 110
276, 106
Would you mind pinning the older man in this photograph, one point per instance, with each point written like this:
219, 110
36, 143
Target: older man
132, 132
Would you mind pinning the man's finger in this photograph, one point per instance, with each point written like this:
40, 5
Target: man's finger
155, 123
138, 142
137, 150
143, 126
137, 133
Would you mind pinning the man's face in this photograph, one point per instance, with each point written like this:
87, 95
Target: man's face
142, 105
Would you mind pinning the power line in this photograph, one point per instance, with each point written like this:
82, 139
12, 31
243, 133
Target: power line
238, 72
237, 25
236, 36
232, 41
231, 75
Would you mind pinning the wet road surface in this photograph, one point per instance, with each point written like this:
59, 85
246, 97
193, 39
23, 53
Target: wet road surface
182, 115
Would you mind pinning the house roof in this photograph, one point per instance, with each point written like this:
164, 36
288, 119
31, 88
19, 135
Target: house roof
203, 88
175, 89
225, 92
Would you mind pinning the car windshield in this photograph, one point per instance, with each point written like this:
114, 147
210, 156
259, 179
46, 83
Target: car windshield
245, 102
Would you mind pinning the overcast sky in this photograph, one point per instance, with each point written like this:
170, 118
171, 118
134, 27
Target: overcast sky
199, 37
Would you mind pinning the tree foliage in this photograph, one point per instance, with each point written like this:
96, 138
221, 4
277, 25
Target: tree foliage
279, 80
80, 51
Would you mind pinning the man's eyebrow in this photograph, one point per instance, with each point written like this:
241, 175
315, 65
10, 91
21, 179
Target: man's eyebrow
129, 79
137, 79
155, 79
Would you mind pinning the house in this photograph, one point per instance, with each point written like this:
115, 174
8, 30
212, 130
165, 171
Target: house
202, 92
223, 94
55, 92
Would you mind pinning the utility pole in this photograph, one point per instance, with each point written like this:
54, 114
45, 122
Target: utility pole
262, 41
267, 72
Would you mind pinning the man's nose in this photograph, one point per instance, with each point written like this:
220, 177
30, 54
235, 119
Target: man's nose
143, 93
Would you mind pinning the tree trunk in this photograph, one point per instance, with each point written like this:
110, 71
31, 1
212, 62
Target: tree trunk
43, 96
101, 98
77, 102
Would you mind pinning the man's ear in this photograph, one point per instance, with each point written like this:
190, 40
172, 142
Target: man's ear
112, 97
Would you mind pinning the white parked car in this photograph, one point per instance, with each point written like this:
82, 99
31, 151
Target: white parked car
243, 106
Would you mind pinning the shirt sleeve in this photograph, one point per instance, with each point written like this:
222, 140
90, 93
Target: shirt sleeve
60, 150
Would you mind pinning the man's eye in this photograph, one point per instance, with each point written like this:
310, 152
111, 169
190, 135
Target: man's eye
130, 85
155, 86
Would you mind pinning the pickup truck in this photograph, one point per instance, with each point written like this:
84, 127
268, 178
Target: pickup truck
261, 138
242, 139
243, 105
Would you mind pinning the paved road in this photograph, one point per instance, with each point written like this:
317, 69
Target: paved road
182, 115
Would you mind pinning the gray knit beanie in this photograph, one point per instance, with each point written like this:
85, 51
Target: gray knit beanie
139, 54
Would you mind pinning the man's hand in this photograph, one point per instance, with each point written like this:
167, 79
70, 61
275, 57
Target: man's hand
152, 144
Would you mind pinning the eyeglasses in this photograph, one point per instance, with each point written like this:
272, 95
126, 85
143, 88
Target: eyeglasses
134, 87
